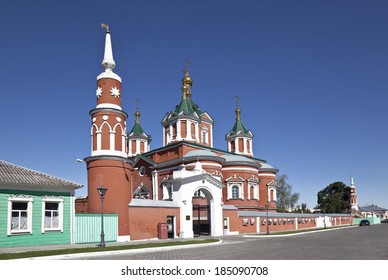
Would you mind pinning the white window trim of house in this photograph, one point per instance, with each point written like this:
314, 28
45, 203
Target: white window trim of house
58, 200
28, 200
240, 190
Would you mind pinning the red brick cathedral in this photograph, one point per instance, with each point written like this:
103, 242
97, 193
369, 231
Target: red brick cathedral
187, 184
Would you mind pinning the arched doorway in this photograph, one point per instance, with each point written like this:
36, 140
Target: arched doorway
211, 196
201, 212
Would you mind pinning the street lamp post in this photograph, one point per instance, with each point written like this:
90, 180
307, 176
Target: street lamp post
266, 208
102, 191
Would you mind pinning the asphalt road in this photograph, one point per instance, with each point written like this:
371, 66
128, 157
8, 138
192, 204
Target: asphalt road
352, 243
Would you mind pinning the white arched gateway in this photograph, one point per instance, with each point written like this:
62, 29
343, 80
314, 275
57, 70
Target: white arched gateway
184, 184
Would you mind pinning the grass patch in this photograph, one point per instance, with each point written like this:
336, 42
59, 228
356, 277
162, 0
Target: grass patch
31, 254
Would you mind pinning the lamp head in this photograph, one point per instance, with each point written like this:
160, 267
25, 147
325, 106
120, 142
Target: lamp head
102, 191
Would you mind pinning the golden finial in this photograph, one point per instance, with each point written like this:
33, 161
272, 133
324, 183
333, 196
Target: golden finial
137, 113
187, 82
238, 111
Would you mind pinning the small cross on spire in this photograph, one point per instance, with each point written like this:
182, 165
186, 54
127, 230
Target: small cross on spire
187, 65
238, 112
237, 99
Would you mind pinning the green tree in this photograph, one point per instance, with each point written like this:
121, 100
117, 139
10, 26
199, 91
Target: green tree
335, 198
302, 208
286, 199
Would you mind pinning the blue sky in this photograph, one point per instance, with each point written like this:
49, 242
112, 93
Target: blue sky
312, 77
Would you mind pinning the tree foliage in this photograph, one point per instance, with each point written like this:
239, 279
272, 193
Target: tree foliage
302, 208
335, 198
286, 199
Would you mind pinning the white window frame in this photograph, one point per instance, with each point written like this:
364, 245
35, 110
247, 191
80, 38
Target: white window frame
58, 200
235, 194
240, 190
21, 199
255, 191
205, 135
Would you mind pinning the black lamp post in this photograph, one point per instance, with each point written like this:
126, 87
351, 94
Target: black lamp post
102, 191
266, 208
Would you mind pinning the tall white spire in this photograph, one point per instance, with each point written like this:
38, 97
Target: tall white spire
351, 181
108, 62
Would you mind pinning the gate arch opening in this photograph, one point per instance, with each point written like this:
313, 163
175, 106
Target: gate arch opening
202, 221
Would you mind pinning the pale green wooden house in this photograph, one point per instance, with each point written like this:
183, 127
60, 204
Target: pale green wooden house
35, 208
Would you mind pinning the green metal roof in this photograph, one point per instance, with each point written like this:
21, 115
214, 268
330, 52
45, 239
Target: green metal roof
137, 130
188, 107
238, 127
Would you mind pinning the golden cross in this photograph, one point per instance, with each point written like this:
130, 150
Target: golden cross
187, 64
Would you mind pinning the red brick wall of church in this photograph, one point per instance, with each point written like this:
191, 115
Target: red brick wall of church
304, 223
341, 221
116, 177
236, 223
245, 174
281, 225
266, 178
81, 205
166, 155
144, 221
233, 219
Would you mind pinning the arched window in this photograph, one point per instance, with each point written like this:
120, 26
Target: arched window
168, 135
252, 192
204, 135
142, 147
235, 192
240, 147
232, 146
193, 132
183, 129
174, 131
105, 136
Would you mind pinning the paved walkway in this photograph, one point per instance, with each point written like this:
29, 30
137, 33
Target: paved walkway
20, 249
244, 246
